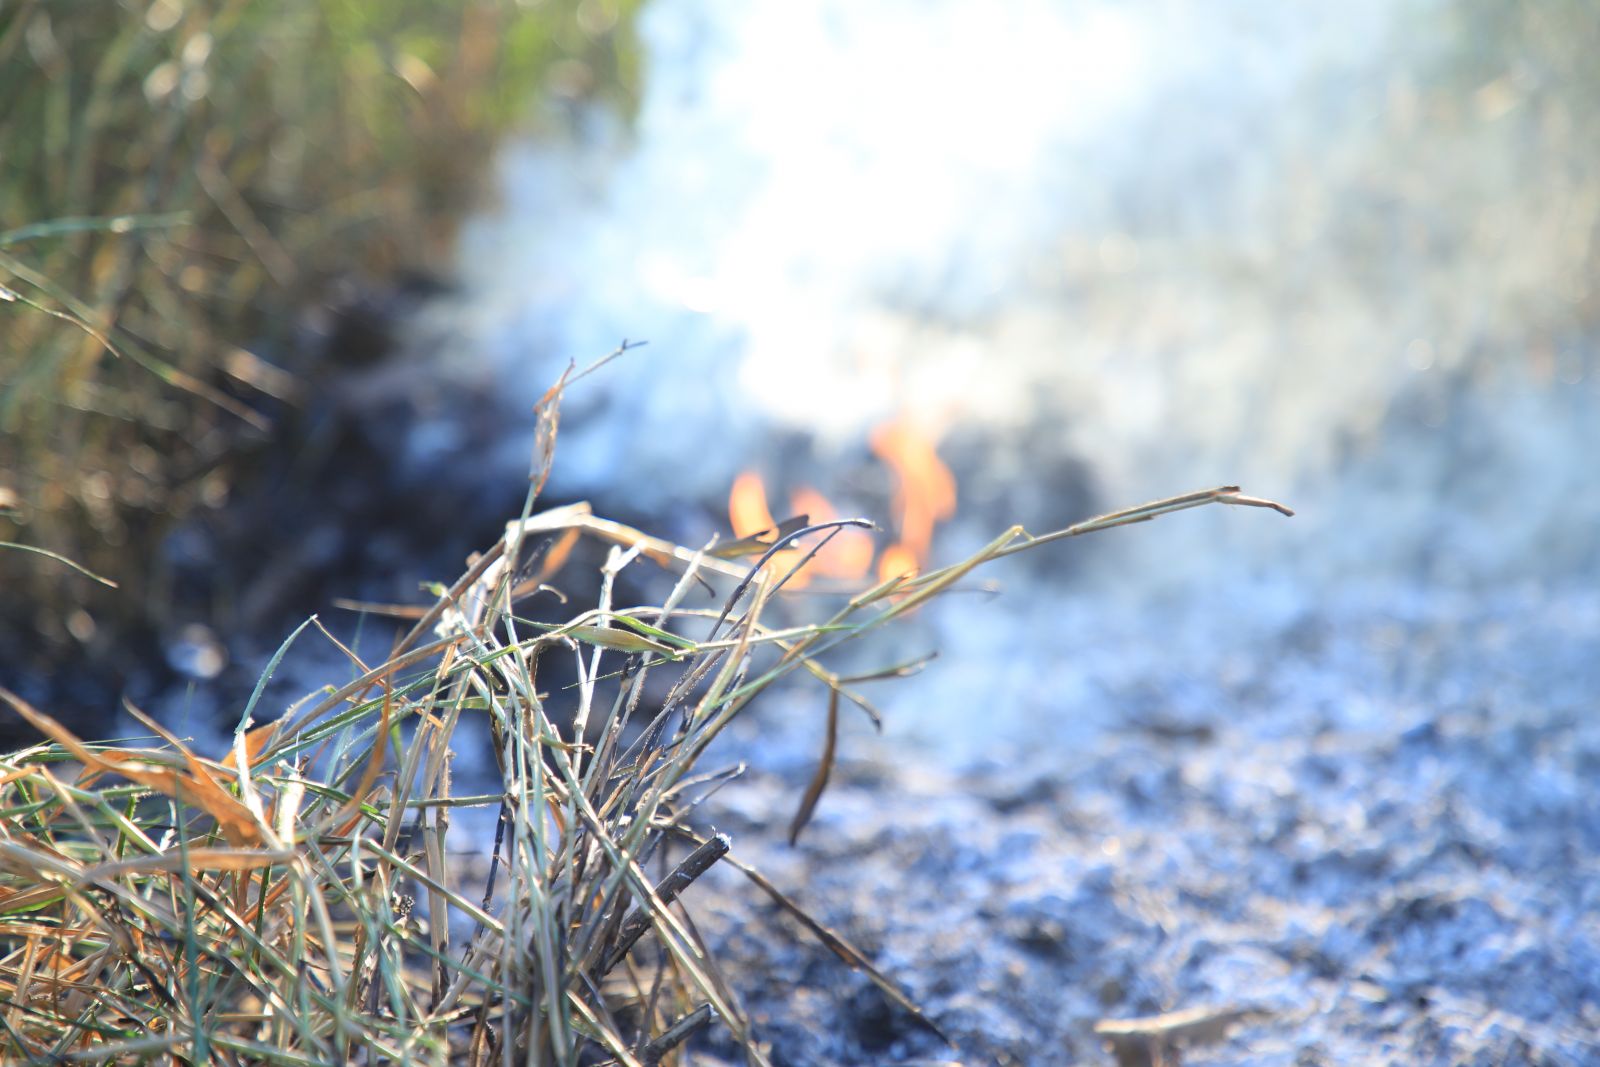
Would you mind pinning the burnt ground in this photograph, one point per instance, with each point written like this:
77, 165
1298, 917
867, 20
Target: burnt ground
1363, 830
1363, 826
1367, 878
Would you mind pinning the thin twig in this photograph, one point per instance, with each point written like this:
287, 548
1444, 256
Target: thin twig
638, 921
677, 1034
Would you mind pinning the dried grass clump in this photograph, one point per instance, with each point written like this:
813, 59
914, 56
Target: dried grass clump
257, 908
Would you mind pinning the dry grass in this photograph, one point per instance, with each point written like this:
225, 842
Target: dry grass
181, 178
256, 908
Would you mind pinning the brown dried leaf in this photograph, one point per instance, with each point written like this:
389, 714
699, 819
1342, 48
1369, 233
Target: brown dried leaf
198, 787
254, 742
819, 781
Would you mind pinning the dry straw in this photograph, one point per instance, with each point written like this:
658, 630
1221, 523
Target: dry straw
259, 908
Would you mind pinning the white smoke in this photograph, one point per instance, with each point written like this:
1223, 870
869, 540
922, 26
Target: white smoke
1182, 243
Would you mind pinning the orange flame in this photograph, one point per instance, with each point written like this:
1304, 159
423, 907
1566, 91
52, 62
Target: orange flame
924, 496
747, 506
749, 515
849, 553
896, 562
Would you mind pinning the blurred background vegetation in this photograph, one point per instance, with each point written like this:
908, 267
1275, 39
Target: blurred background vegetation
181, 180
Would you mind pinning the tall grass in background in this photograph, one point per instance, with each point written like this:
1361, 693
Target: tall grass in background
178, 178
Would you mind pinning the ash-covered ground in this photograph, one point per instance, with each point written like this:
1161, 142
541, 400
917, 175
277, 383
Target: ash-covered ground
1381, 848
